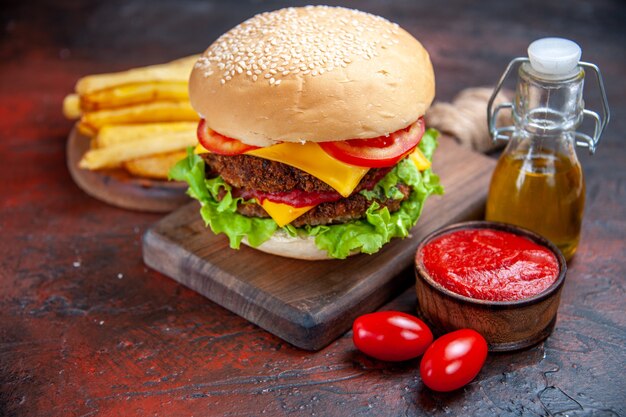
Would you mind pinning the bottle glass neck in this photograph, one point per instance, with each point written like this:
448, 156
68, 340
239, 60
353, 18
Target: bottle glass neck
548, 106
532, 145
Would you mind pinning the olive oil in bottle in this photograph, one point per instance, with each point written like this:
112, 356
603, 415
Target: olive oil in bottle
538, 182
545, 194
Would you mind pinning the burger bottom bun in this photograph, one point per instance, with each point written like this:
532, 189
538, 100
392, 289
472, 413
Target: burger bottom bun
282, 244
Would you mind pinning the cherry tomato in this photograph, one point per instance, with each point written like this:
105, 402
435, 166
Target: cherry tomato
220, 144
391, 335
383, 151
453, 360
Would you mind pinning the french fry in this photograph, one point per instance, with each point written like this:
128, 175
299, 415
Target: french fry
113, 156
139, 119
160, 111
174, 71
133, 94
86, 130
114, 134
157, 166
71, 106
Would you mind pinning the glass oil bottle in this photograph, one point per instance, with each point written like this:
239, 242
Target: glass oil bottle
538, 182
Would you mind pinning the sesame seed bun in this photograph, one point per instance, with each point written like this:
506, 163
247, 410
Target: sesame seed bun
313, 73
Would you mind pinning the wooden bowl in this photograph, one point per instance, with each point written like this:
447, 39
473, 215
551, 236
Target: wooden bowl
506, 325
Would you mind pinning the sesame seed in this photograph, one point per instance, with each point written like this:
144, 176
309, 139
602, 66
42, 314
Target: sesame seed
298, 42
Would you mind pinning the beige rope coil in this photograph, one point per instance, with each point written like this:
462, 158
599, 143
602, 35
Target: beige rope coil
466, 118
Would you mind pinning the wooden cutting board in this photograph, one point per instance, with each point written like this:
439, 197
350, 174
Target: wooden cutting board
310, 303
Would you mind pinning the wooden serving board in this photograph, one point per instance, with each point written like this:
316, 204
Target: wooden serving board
310, 303
118, 188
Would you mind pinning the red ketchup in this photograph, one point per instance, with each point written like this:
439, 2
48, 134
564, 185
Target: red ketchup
489, 264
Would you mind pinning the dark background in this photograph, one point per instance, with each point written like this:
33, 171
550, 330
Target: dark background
86, 329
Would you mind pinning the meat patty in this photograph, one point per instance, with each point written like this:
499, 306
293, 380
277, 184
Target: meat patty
247, 171
341, 211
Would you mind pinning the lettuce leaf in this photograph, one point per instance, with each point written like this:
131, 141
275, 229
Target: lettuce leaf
405, 172
366, 235
220, 215
379, 226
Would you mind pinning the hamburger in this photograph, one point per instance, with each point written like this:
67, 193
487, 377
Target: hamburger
312, 143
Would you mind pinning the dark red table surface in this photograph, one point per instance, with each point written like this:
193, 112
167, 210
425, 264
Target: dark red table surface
86, 329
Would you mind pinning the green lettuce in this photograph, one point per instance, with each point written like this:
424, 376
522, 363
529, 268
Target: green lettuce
220, 214
366, 235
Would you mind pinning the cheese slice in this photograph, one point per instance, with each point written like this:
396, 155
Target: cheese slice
200, 149
309, 157
419, 160
284, 214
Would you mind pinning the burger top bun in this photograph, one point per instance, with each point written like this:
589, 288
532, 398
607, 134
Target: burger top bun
314, 73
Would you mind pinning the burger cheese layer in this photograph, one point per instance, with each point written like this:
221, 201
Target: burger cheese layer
280, 194
384, 204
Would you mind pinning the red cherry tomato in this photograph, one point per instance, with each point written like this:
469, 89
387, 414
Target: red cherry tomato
391, 335
383, 151
453, 360
220, 144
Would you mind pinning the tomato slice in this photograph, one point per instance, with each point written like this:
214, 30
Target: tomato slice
220, 144
383, 151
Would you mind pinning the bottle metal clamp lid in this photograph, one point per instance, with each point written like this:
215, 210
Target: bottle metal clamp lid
553, 58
